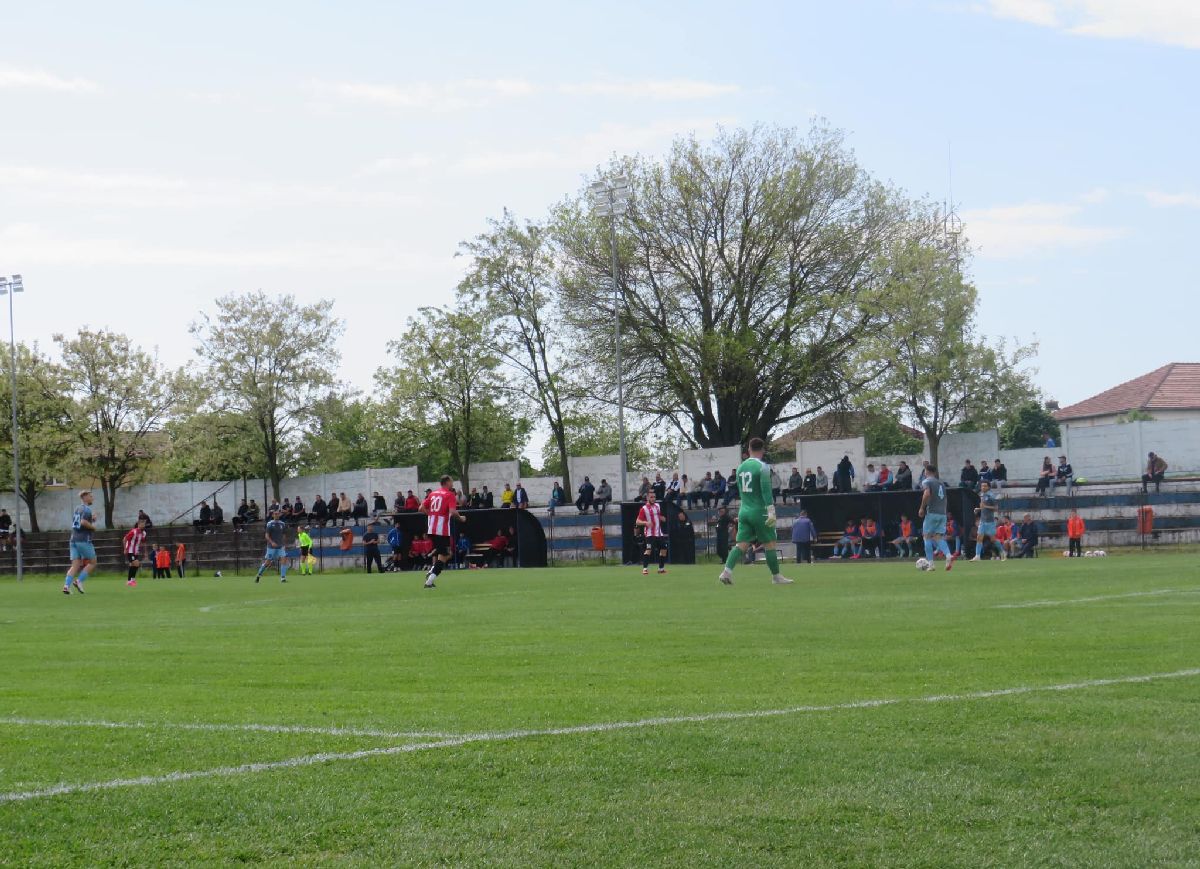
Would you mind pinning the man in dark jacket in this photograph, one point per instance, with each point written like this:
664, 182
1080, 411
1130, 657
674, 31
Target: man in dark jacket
587, 493
1029, 537
903, 479
804, 535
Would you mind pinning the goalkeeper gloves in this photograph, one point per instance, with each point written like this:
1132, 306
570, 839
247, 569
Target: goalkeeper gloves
771, 516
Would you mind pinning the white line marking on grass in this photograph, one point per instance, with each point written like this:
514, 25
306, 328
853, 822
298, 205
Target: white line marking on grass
603, 727
1029, 604
215, 606
203, 725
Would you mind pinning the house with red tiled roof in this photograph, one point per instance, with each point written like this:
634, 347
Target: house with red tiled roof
1170, 392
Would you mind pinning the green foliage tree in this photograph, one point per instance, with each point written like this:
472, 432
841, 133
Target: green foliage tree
884, 436
1136, 415
513, 280
439, 394
267, 360
596, 434
122, 400
1027, 426
938, 372
747, 278
214, 445
46, 439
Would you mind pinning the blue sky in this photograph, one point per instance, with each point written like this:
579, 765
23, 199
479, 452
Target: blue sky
156, 155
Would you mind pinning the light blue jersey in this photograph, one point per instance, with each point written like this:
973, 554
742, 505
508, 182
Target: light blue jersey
80, 534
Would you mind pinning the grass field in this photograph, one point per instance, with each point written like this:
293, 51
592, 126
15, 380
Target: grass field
599, 717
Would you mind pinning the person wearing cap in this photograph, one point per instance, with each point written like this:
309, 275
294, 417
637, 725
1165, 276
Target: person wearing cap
1063, 476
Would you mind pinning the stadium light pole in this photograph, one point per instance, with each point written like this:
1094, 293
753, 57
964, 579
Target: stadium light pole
611, 199
10, 287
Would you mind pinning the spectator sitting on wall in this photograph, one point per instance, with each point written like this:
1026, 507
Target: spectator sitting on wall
695, 492
903, 479
871, 480
239, 518
643, 489
795, 486
603, 496
726, 487
489, 498
809, 486
378, 505
1156, 470
520, 497
506, 497
205, 517
345, 508
558, 498
144, 518
1045, 475
361, 509
5, 529
218, 515
985, 473
285, 512
298, 514
999, 475
708, 489
319, 512
398, 503
674, 489
969, 477
659, 486
821, 481
254, 513
885, 478
587, 494
1064, 475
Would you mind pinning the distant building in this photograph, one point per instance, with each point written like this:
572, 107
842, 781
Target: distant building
833, 425
1167, 393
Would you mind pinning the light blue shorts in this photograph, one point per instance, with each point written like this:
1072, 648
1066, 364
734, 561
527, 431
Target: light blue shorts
935, 523
83, 550
988, 528
274, 554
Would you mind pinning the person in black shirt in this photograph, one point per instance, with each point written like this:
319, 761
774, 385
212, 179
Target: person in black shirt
1064, 475
999, 475
320, 512
488, 499
370, 541
586, 493
969, 478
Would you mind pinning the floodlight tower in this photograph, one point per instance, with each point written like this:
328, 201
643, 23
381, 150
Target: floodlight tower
610, 198
10, 287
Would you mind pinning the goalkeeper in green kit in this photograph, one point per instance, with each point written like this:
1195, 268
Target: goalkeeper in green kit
756, 518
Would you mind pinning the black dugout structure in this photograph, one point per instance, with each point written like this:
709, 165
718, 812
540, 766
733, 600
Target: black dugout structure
681, 536
832, 512
482, 525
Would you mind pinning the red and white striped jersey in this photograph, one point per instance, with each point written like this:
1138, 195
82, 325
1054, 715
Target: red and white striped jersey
133, 540
651, 517
437, 506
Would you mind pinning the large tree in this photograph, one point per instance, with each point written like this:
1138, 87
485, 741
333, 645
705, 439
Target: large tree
122, 399
45, 436
747, 276
268, 360
513, 279
939, 373
446, 388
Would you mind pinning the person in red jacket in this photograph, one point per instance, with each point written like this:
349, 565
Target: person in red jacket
1075, 529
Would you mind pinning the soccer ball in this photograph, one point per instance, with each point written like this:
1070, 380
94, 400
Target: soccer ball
217, 574
1100, 553
1067, 554
923, 564
1089, 554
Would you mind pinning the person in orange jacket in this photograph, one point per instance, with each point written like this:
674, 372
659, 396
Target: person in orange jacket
1075, 529
162, 563
181, 558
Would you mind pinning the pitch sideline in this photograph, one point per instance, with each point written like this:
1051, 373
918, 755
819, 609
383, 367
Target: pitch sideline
603, 727
1032, 604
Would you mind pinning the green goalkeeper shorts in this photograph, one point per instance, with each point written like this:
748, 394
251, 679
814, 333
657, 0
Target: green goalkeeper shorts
753, 529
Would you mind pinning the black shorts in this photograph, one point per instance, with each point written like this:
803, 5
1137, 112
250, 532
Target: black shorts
131, 558
304, 550
656, 542
441, 544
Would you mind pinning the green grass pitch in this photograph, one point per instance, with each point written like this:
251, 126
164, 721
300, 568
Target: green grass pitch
353, 720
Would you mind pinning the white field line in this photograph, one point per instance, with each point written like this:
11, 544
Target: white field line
241, 603
603, 727
247, 728
1030, 604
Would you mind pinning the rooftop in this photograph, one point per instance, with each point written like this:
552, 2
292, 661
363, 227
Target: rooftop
1173, 387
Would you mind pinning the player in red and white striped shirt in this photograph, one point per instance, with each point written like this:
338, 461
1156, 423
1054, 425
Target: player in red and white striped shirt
132, 541
440, 507
650, 520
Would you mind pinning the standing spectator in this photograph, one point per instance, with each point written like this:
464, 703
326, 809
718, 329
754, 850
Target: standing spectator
1064, 475
5, 529
1045, 475
285, 512
969, 477
142, 515
902, 481
162, 563
1156, 470
181, 559
398, 503
1048, 441
999, 475
462, 549
795, 486
804, 535
725, 523
520, 497
506, 497
1075, 530
395, 541
411, 503
604, 496
844, 476
370, 541
587, 494
360, 509
776, 484
821, 481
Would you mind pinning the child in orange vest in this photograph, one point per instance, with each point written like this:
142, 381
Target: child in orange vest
162, 563
1075, 529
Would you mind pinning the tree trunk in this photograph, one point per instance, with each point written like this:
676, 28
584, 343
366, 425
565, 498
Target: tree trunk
29, 496
110, 500
560, 437
932, 441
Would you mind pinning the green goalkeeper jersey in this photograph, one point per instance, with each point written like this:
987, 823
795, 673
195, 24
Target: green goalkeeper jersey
754, 488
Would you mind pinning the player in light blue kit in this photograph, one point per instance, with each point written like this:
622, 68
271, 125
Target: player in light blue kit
275, 548
933, 510
83, 551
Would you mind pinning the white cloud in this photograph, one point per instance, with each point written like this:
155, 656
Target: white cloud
1169, 22
1096, 195
36, 79
1160, 199
139, 190
1013, 231
404, 163
474, 93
